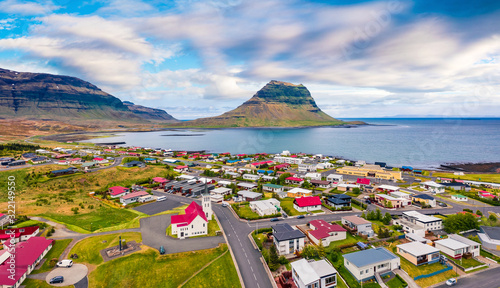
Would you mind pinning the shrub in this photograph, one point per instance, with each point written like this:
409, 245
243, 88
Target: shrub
53, 262
493, 218
75, 210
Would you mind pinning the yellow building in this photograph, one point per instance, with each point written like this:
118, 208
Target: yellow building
370, 171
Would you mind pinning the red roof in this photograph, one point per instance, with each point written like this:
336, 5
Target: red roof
465, 212
27, 252
191, 212
135, 194
363, 181
284, 165
5, 234
160, 180
181, 167
486, 194
75, 159
294, 179
293, 156
117, 190
98, 159
308, 201
63, 156
262, 163
323, 229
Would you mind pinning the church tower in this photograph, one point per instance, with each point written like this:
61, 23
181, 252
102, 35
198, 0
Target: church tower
206, 203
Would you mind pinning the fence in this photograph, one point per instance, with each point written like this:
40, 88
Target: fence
449, 267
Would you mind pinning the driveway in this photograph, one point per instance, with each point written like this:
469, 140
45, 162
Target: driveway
71, 275
153, 230
157, 207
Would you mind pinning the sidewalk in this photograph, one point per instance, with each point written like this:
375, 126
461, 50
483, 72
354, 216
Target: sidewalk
407, 278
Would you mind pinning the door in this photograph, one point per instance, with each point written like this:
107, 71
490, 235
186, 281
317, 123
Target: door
182, 234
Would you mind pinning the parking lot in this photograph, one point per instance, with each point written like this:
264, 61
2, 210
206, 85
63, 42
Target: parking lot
71, 275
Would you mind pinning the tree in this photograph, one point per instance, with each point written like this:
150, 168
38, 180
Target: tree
493, 218
378, 215
460, 222
306, 184
478, 212
363, 215
388, 204
356, 191
387, 218
273, 258
309, 251
321, 249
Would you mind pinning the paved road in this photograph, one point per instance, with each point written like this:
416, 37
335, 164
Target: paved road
484, 279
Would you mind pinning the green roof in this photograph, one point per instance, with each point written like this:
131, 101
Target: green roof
92, 163
273, 185
459, 196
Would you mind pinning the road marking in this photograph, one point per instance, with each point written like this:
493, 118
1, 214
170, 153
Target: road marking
254, 277
251, 268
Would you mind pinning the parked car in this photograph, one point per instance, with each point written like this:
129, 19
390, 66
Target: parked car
275, 219
451, 282
57, 279
161, 198
65, 263
442, 204
161, 250
301, 217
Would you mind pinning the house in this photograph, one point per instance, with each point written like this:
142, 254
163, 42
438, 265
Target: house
306, 204
299, 192
398, 194
286, 239
192, 223
67, 171
335, 178
62, 162
490, 237
224, 183
321, 183
364, 264
474, 247
387, 188
150, 160
339, 200
458, 197
246, 186
251, 177
100, 160
391, 202
263, 172
317, 274
451, 247
232, 174
132, 197
161, 181
324, 232
370, 171
146, 198
272, 188
221, 191
358, 225
75, 161
249, 196
433, 187
457, 186
486, 195
313, 176
416, 238
170, 161
16, 163
118, 191
18, 234
28, 156
418, 223
265, 207
134, 164
5, 219
39, 160
347, 187
424, 199
418, 253
15, 267
363, 182
288, 160
294, 180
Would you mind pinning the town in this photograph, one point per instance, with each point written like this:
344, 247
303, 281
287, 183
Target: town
105, 215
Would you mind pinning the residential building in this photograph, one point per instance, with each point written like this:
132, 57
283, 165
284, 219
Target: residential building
314, 274
416, 238
100, 160
5, 219
418, 253
391, 202
358, 225
287, 239
418, 223
268, 178
339, 200
364, 264
246, 186
18, 234
453, 248
67, 171
313, 176
457, 186
192, 223
306, 204
299, 192
307, 167
424, 199
458, 197
251, 177
224, 183
265, 207
221, 191
272, 188
39, 160
181, 168
388, 188
335, 178
161, 181
289, 160
118, 191
294, 180
363, 182
398, 194
249, 196
326, 233
347, 187
486, 195
370, 171
133, 197
473, 247
433, 187
321, 183
490, 237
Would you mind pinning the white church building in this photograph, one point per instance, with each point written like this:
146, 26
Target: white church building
195, 220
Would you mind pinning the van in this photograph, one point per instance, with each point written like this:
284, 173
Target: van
161, 198
65, 263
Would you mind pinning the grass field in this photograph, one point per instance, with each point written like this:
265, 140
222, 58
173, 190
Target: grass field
349, 240
88, 248
31, 223
395, 283
414, 271
56, 251
475, 177
33, 283
221, 273
287, 205
466, 263
149, 269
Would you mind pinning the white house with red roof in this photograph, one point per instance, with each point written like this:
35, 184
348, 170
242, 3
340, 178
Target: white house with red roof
363, 181
294, 180
181, 168
18, 234
118, 191
193, 223
27, 255
325, 232
4, 219
132, 197
100, 160
160, 180
305, 204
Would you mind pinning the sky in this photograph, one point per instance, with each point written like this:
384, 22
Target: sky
359, 59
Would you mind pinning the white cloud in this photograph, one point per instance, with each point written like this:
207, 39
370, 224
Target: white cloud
27, 7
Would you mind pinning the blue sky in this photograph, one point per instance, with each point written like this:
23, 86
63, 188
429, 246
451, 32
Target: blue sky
201, 58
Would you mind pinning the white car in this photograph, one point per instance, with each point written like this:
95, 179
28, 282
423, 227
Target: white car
451, 282
65, 263
161, 198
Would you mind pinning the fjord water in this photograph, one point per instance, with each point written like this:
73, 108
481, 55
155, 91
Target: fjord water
423, 143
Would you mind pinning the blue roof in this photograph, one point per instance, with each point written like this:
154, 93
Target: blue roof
247, 159
362, 245
282, 232
233, 161
369, 257
407, 167
149, 159
424, 196
420, 171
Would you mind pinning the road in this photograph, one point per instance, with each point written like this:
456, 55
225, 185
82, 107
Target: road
484, 279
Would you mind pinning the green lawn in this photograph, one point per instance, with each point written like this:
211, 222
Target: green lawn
102, 217
88, 248
221, 273
396, 283
33, 283
466, 263
494, 177
287, 205
245, 212
414, 271
348, 240
341, 284
56, 251
149, 269
32, 223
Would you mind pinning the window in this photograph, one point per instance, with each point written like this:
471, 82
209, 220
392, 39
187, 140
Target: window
366, 271
203, 224
361, 273
192, 226
330, 280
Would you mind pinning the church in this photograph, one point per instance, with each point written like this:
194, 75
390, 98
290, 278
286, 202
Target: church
195, 220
